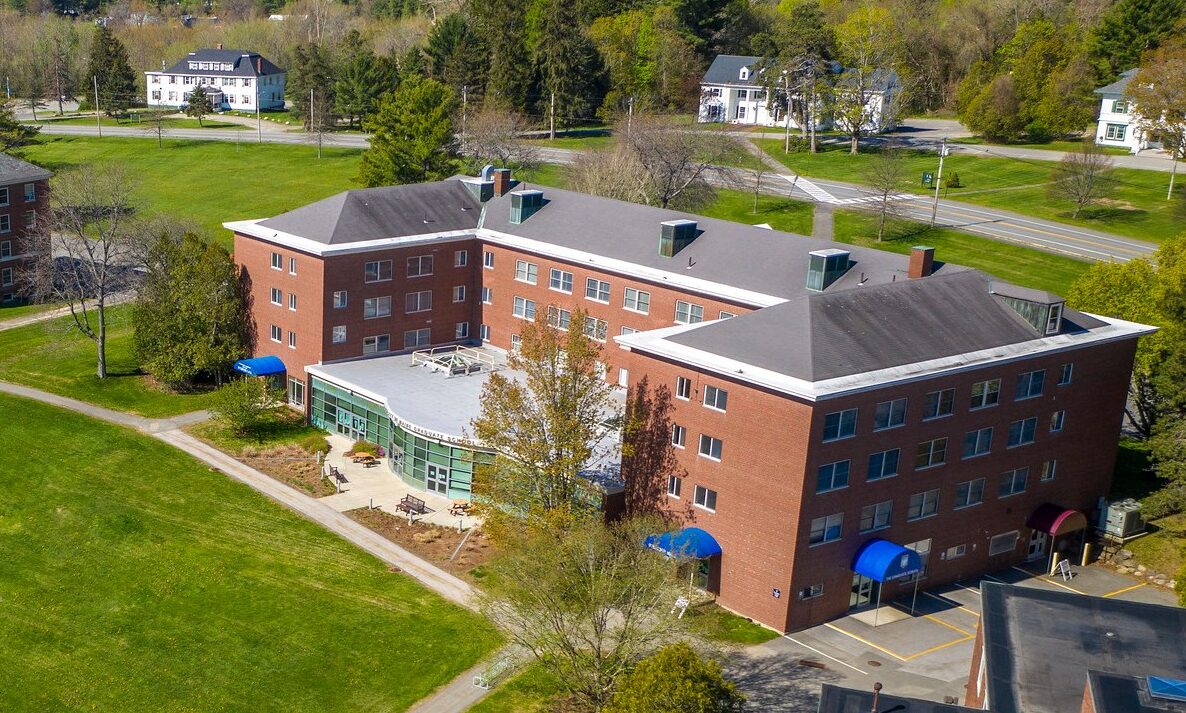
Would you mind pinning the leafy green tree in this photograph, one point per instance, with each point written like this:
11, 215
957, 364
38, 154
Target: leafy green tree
795, 52
868, 47
109, 66
12, 132
1128, 29
676, 680
413, 135
650, 61
1159, 92
566, 62
243, 405
362, 78
189, 316
198, 104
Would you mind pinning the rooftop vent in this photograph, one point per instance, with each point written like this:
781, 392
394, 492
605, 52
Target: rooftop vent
825, 267
480, 189
524, 204
675, 235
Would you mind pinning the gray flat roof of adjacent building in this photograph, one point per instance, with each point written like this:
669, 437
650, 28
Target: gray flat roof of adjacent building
14, 170
837, 699
1040, 644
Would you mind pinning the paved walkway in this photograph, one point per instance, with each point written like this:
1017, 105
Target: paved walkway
49, 314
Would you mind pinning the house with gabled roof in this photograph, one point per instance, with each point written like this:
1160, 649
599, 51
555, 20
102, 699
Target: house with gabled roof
233, 79
1119, 124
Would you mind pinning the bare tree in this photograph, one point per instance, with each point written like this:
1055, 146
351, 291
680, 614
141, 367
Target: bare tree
155, 124
84, 256
676, 164
1083, 177
612, 172
884, 177
493, 137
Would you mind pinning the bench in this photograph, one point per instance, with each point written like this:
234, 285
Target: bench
412, 505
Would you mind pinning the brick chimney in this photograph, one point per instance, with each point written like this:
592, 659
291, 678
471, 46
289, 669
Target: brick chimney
502, 181
922, 261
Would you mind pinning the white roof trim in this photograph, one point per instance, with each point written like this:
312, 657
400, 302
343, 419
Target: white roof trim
255, 229
656, 342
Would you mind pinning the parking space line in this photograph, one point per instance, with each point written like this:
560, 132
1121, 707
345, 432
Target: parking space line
958, 606
866, 642
821, 653
940, 647
1126, 589
949, 626
1042, 578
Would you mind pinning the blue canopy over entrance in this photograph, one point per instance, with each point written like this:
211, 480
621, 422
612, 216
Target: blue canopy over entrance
882, 560
688, 542
260, 366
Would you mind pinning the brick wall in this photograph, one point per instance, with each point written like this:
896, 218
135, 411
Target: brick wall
18, 235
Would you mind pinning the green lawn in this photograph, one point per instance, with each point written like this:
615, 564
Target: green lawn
138, 579
580, 142
711, 622
781, 213
283, 426
1136, 209
1016, 264
1047, 146
53, 356
17, 311
532, 690
136, 121
266, 179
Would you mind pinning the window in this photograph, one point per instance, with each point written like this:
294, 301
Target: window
559, 318
1064, 374
977, 443
277, 261
516, 342
629, 330
715, 398
461, 330
339, 334
3, 197
420, 266
377, 271
417, 338
923, 505
6, 280
1013, 482
486, 295
459, 293
524, 308
1003, 543
1120, 106
30, 192
840, 424
276, 333
1021, 432
1056, 421
30, 218
876, 517
889, 414
374, 345
883, 464
418, 301
688, 313
1029, 384
637, 301
815, 590
484, 332
939, 404
969, 492
956, 552
683, 388
1048, 469
706, 498
526, 271
597, 329
488, 260
560, 280
674, 483
6, 248
679, 435
460, 258
597, 290
931, 453
5, 223
277, 296
376, 307
826, 529
832, 476
1115, 132
292, 340
727, 315
710, 447
1054, 319
340, 299
292, 265
292, 301
985, 393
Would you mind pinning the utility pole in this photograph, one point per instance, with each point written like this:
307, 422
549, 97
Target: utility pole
464, 108
98, 124
317, 127
552, 119
938, 181
1174, 156
629, 115
786, 142
259, 125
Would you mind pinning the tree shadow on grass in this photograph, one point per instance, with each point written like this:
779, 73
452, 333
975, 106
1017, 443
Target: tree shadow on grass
1109, 214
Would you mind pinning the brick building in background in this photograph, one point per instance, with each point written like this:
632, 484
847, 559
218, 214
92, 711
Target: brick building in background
846, 420
24, 204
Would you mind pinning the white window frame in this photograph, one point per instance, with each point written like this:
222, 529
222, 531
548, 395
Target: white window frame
982, 445
292, 302
636, 300
688, 312
683, 388
674, 485
276, 297
560, 280
1066, 373
1048, 471
341, 299
990, 389
460, 258
486, 295
597, 290
276, 334
894, 412
994, 548
292, 266
378, 307
523, 308
379, 265
1029, 378
973, 488
418, 298
484, 332
461, 330
931, 462
849, 414
338, 334
458, 293
940, 397
277, 261
827, 524
716, 398
829, 472
417, 266
526, 272
679, 436
1011, 478
370, 345
1115, 132
882, 511
292, 340
711, 441
1058, 420
926, 498
702, 499
882, 475
422, 338
1020, 425
487, 260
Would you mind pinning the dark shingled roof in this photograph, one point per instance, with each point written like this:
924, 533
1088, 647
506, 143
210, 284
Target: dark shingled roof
14, 170
245, 64
384, 212
825, 335
726, 69
835, 699
1040, 645
1119, 85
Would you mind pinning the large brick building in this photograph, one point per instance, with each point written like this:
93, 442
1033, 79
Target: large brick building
846, 420
24, 201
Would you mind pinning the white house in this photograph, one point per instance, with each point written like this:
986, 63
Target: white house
233, 79
1119, 123
732, 92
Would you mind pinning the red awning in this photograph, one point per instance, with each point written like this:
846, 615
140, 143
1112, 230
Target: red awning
1056, 520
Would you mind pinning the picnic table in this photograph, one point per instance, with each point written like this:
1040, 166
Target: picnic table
459, 507
367, 459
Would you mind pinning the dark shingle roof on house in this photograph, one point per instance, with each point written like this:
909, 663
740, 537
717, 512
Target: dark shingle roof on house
13, 170
1119, 85
244, 64
384, 212
726, 69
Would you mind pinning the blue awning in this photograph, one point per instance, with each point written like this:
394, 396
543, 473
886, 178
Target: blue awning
688, 542
882, 560
260, 366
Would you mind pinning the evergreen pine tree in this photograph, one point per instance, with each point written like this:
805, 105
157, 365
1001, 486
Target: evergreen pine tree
413, 135
12, 132
198, 104
110, 68
566, 62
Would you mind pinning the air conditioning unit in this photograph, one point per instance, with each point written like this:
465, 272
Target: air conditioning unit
1121, 520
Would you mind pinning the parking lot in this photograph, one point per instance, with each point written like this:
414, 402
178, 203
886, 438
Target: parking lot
926, 654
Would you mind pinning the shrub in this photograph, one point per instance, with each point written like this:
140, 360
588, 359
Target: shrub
954, 181
365, 447
1180, 586
244, 405
676, 680
314, 443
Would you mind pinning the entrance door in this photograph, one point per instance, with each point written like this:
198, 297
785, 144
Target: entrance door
438, 479
1037, 548
864, 592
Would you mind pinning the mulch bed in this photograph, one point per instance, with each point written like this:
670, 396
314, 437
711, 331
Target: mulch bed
290, 464
432, 542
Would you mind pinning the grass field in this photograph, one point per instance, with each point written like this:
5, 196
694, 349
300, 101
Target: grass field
781, 213
55, 357
132, 121
1137, 208
254, 180
532, 690
1048, 146
137, 579
18, 311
